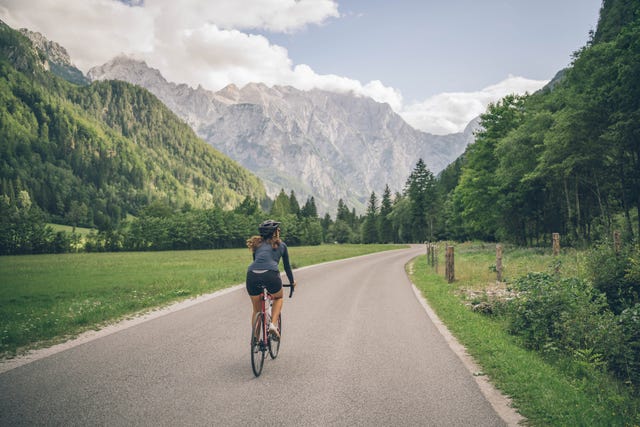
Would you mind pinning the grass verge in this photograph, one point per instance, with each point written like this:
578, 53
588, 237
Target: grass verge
45, 299
546, 393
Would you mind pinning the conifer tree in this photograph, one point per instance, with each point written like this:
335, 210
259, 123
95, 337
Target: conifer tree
422, 194
281, 205
370, 224
385, 226
309, 209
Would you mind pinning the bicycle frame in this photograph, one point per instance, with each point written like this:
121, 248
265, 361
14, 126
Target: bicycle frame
266, 342
266, 312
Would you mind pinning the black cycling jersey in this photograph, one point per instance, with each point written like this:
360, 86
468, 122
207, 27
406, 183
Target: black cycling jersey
267, 258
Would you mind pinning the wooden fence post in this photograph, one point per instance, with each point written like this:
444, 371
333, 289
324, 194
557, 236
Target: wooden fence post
556, 244
433, 249
617, 245
435, 258
499, 262
449, 265
428, 249
432, 256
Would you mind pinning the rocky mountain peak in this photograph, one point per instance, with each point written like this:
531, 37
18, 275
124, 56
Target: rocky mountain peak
128, 69
317, 143
56, 57
53, 51
229, 94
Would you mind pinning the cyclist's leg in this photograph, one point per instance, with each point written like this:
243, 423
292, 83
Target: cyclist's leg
274, 287
277, 306
257, 305
255, 293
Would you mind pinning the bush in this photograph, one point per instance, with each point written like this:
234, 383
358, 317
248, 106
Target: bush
627, 363
560, 314
570, 317
615, 274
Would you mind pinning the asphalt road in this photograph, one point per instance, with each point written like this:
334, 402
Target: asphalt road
357, 350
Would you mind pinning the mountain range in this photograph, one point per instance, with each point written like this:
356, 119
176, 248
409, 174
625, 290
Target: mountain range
317, 143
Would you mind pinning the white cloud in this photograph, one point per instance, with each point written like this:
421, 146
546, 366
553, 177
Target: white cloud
209, 43
451, 112
214, 58
93, 31
273, 15
304, 78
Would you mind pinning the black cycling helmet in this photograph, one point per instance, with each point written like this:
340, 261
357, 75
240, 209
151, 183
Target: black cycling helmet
268, 227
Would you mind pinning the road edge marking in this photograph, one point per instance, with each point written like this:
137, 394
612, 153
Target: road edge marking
499, 401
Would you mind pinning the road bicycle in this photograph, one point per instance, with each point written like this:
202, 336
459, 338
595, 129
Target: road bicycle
261, 340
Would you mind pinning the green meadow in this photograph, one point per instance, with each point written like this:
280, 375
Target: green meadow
46, 299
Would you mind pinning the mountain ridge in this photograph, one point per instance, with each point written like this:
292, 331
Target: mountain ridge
57, 59
318, 143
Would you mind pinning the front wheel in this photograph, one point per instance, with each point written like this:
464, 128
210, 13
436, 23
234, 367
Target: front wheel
258, 344
274, 342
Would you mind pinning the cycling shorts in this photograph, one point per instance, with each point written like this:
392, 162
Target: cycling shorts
269, 279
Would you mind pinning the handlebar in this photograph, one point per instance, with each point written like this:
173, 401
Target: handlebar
289, 286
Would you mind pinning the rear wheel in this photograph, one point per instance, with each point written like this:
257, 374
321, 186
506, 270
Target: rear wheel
274, 342
258, 347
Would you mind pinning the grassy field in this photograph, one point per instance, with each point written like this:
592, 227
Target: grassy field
69, 229
545, 393
45, 299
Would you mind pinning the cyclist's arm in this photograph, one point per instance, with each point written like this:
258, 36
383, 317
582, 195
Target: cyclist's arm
287, 266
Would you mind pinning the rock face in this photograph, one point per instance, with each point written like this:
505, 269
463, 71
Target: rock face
328, 145
57, 58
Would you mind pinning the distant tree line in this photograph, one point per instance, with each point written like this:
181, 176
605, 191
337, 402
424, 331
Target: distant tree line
407, 217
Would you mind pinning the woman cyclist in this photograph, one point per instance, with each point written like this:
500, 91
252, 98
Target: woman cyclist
267, 249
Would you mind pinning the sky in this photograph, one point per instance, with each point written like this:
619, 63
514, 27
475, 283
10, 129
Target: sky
437, 63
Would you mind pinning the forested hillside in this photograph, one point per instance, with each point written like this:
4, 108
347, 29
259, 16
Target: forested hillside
92, 154
566, 159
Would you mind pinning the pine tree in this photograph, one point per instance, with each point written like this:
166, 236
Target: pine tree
370, 225
294, 206
385, 225
281, 206
309, 209
421, 191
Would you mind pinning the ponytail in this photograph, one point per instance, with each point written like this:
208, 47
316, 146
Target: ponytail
254, 242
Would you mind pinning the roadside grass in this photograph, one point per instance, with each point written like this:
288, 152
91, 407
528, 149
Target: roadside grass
46, 299
563, 392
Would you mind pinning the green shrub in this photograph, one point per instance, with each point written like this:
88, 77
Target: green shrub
570, 317
627, 363
616, 274
560, 314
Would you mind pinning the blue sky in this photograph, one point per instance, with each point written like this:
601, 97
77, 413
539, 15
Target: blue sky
438, 63
424, 48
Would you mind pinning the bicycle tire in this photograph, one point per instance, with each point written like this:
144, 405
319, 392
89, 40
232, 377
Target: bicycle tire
258, 349
274, 344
